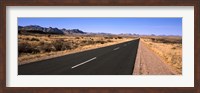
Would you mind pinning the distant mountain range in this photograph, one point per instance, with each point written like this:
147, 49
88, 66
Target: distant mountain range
50, 30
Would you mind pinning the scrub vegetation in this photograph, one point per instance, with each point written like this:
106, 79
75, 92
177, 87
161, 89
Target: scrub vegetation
33, 47
169, 48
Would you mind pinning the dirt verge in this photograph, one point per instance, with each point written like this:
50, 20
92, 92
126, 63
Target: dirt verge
147, 63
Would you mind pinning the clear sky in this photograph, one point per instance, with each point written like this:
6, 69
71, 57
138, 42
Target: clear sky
147, 26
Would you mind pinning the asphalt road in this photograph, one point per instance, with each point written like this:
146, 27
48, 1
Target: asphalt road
112, 60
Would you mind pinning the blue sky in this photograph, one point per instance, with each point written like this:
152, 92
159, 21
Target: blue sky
147, 26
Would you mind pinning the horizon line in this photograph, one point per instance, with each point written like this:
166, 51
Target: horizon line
105, 32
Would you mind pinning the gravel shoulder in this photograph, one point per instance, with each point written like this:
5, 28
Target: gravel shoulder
148, 63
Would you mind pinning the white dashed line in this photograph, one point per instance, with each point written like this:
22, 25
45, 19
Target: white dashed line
116, 48
84, 62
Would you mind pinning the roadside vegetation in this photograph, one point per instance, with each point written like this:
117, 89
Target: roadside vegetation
168, 48
35, 47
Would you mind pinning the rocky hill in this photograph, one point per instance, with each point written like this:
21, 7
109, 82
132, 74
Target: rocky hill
44, 30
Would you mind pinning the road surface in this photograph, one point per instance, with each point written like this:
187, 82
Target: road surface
117, 59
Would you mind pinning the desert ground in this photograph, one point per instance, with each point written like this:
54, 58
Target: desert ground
35, 47
168, 48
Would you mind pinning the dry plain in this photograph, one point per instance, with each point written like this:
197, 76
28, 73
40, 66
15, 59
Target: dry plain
35, 47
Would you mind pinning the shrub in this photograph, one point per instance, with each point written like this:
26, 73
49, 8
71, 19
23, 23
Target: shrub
42, 43
108, 37
36, 50
166, 40
109, 40
49, 35
67, 46
119, 37
100, 41
61, 45
22, 47
27, 38
58, 45
87, 42
173, 48
90, 42
25, 47
92, 39
84, 41
34, 39
48, 47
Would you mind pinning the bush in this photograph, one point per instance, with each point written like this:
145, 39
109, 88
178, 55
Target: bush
58, 45
108, 37
84, 41
27, 38
102, 42
48, 47
67, 46
92, 39
42, 43
90, 42
109, 40
77, 38
119, 37
22, 48
173, 48
34, 39
87, 42
25, 47
61, 45
165, 40
49, 35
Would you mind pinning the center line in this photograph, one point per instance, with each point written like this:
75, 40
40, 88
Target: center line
84, 62
116, 48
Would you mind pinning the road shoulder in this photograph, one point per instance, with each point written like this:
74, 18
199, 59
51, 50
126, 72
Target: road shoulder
147, 63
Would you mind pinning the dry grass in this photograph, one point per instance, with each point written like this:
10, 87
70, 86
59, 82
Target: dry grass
38, 47
168, 48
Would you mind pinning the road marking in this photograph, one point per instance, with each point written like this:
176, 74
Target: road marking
84, 62
116, 48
